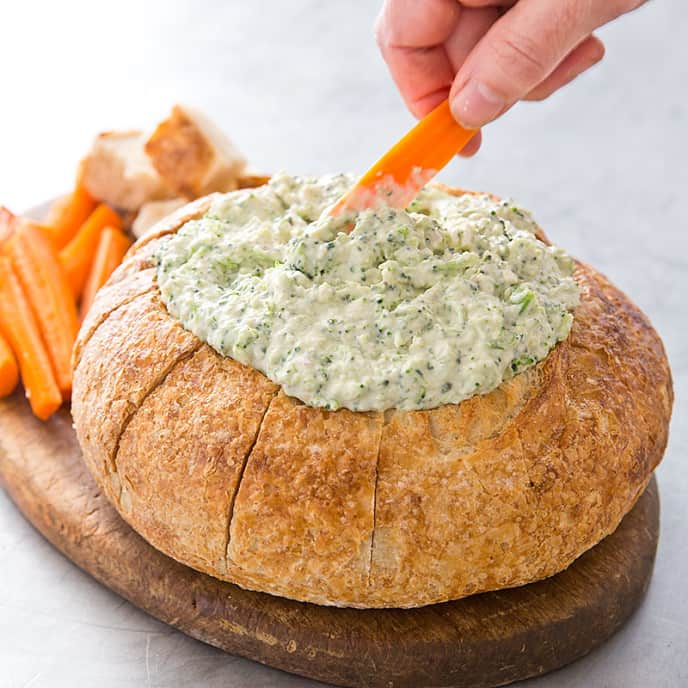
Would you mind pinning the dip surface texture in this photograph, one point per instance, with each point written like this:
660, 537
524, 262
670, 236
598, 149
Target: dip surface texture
412, 309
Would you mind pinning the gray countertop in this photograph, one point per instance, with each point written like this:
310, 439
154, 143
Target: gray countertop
300, 85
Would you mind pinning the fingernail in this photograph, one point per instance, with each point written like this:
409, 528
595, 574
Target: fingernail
476, 104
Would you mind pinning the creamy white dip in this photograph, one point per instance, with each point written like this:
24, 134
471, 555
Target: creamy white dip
412, 309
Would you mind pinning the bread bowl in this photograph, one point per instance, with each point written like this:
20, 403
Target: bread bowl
216, 466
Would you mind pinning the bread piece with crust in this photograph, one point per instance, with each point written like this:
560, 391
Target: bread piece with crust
193, 155
394, 509
118, 171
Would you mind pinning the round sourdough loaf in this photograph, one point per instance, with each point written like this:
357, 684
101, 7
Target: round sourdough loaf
216, 467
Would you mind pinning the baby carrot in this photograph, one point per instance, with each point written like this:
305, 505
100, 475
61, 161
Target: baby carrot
68, 214
112, 246
19, 327
77, 256
409, 164
50, 296
7, 222
9, 373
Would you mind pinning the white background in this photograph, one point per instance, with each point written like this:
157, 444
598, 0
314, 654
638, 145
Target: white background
299, 85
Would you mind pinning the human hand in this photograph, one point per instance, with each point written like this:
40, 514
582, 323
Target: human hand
485, 55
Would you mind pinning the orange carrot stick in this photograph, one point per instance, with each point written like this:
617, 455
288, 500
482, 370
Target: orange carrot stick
77, 256
19, 327
47, 231
397, 177
7, 223
68, 214
9, 373
46, 287
112, 246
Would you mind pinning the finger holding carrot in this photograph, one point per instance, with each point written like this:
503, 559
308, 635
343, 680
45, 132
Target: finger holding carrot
486, 55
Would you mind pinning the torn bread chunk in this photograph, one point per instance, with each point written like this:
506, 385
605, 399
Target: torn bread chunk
151, 212
118, 171
193, 155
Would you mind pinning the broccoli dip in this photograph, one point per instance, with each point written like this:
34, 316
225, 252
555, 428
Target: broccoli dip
411, 309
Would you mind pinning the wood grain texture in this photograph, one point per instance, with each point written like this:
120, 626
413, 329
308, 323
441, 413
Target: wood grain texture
486, 640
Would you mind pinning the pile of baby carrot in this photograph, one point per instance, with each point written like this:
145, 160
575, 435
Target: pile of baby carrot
49, 274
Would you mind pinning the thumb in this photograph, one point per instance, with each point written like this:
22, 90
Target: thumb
518, 52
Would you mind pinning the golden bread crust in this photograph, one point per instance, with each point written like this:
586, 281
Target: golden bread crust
183, 495
326, 462
143, 345
217, 468
193, 156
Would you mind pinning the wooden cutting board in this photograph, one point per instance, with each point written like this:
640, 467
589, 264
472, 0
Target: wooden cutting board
485, 640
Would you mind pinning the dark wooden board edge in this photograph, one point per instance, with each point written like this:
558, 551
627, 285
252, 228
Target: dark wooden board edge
482, 641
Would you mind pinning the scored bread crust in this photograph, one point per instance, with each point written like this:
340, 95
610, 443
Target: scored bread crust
216, 467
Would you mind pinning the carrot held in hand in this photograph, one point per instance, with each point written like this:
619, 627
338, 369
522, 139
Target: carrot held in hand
9, 373
112, 246
68, 214
50, 296
77, 256
19, 327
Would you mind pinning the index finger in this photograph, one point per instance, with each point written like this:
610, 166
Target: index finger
411, 35
416, 23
